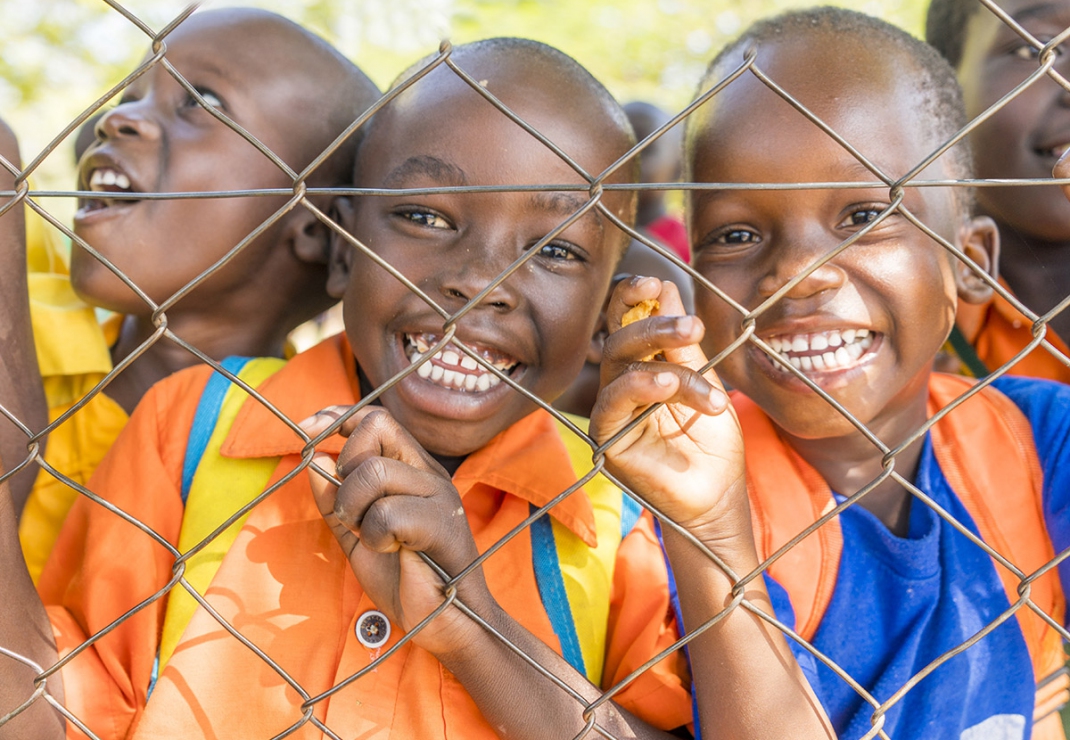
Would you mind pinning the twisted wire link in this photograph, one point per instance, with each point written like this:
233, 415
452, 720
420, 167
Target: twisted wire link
593, 190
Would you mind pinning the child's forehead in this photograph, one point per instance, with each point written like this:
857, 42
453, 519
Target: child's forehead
444, 118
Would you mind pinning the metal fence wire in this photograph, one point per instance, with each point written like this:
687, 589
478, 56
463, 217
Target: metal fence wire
597, 185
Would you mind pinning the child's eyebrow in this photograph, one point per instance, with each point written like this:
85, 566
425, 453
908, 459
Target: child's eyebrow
564, 205
427, 166
1040, 10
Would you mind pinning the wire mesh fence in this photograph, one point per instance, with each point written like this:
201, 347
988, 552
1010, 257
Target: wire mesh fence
265, 629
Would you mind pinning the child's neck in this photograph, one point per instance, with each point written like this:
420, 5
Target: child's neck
851, 462
449, 463
217, 340
1038, 272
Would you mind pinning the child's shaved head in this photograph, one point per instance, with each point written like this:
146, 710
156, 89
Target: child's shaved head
534, 79
943, 114
320, 90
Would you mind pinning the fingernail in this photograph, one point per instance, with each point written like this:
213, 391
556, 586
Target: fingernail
685, 325
664, 379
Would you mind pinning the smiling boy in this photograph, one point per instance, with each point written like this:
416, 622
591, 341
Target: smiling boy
1022, 140
254, 67
327, 581
887, 589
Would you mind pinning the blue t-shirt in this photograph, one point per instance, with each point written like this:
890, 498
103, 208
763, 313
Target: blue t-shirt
901, 603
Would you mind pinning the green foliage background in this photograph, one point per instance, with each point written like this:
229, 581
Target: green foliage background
59, 56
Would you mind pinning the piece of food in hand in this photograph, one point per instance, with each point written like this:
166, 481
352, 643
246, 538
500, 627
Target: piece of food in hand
641, 310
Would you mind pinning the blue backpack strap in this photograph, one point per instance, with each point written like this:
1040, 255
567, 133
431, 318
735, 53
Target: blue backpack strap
552, 589
205, 419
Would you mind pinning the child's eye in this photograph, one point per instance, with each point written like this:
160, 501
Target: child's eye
861, 217
556, 251
1029, 52
209, 97
425, 218
738, 236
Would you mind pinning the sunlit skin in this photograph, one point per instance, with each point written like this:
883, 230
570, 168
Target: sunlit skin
895, 283
160, 139
1022, 140
542, 318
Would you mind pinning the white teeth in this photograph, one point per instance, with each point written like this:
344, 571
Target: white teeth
468, 363
819, 361
795, 362
835, 340
843, 356
833, 349
421, 345
799, 344
830, 359
437, 372
866, 342
108, 178
483, 383
470, 382
424, 370
819, 342
854, 351
861, 333
122, 181
807, 363
848, 336
450, 357
96, 179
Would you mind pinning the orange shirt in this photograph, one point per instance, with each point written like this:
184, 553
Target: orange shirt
998, 331
286, 588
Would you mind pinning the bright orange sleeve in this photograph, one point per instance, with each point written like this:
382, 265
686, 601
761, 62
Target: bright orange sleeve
104, 566
641, 625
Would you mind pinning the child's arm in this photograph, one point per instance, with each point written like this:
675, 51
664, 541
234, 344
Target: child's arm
25, 631
21, 392
686, 459
395, 501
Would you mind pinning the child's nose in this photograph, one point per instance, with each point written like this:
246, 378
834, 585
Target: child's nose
476, 276
127, 120
795, 268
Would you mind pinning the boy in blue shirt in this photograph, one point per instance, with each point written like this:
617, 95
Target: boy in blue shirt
850, 293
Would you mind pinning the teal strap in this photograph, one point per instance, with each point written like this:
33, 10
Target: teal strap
552, 590
967, 354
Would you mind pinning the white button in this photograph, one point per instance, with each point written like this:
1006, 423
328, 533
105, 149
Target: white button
373, 629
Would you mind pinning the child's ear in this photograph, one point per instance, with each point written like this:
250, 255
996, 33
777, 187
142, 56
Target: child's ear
979, 238
308, 235
340, 252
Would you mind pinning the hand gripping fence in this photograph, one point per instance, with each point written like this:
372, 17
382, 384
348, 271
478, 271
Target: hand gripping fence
597, 184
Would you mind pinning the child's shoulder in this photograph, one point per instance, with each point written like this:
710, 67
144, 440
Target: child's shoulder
1045, 403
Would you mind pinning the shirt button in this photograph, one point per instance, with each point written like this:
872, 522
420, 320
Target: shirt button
373, 629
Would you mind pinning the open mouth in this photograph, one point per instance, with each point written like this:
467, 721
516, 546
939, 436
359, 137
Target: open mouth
451, 368
829, 351
107, 180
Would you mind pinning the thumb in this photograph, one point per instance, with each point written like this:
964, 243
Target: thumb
325, 492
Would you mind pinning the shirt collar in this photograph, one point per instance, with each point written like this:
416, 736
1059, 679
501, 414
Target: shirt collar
528, 460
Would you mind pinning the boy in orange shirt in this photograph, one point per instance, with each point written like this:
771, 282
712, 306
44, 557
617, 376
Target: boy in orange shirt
254, 67
1022, 140
841, 296
328, 582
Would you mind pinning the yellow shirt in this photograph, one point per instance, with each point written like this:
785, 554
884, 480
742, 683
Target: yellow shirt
72, 352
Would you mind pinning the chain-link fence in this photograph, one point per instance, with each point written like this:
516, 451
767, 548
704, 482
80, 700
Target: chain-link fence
268, 628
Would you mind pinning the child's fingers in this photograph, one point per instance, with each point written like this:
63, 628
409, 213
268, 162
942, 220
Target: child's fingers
620, 401
669, 335
377, 434
379, 477
629, 293
324, 492
420, 525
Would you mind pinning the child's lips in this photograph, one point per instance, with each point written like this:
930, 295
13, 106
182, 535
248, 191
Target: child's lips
817, 353
452, 369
